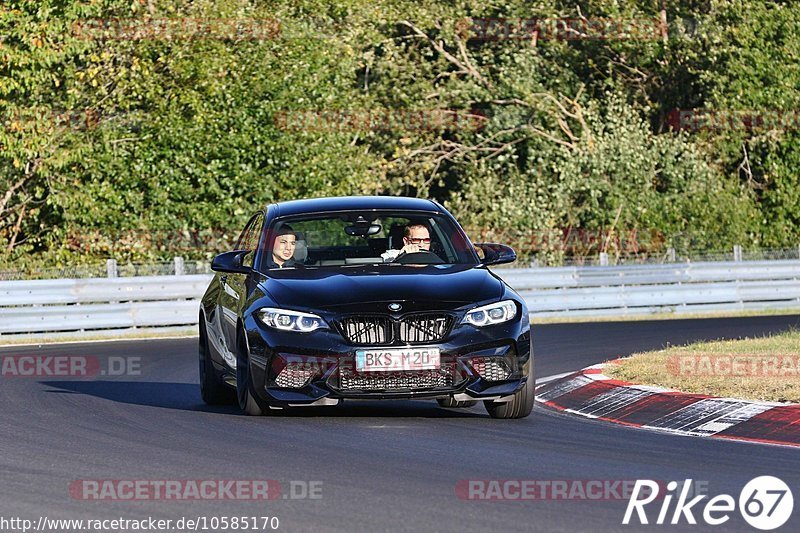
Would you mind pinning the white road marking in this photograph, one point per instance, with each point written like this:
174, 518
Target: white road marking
93, 341
548, 379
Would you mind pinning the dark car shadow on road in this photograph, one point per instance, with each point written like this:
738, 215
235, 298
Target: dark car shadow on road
186, 396
380, 409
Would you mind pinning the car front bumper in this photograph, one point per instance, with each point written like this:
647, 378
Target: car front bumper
292, 369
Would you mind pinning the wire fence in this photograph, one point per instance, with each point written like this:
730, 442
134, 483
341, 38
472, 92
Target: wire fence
670, 255
111, 269
178, 266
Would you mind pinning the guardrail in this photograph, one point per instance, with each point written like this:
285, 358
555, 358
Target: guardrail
85, 305
665, 288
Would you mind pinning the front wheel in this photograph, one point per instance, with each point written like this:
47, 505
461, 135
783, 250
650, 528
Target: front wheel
212, 389
520, 405
244, 384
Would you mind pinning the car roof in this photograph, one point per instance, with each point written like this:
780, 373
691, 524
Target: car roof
345, 203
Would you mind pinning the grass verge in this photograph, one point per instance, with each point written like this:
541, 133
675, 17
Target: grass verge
764, 368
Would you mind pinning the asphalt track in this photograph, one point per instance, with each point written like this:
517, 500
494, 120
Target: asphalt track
382, 466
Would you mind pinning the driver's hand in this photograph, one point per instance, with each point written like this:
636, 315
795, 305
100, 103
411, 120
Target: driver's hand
411, 248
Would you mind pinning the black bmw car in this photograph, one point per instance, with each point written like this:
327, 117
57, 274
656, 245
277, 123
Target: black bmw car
331, 299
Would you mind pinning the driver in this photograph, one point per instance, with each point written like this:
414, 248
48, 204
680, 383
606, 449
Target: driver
283, 249
416, 238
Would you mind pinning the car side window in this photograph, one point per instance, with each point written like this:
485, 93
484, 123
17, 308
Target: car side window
249, 238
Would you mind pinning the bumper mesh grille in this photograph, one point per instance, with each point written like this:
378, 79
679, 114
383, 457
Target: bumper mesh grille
295, 375
376, 330
490, 369
444, 377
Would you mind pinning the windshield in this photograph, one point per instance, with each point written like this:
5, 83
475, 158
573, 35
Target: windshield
361, 238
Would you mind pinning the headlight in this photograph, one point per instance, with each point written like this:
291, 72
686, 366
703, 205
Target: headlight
286, 320
491, 314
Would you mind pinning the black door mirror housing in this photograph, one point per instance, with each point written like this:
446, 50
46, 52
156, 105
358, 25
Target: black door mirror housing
496, 254
231, 262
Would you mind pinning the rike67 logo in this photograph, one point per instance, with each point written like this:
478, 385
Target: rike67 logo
765, 503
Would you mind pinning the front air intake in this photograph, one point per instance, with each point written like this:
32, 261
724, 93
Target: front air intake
490, 368
296, 374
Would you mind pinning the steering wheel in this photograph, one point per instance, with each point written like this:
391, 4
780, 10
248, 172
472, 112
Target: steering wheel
422, 257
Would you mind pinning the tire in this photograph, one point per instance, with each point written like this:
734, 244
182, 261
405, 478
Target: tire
450, 403
244, 385
212, 389
520, 405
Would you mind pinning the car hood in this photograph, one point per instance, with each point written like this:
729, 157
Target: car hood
372, 287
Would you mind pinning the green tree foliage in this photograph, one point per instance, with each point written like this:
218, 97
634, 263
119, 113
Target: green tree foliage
124, 121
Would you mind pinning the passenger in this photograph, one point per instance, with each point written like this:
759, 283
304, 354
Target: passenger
416, 238
283, 249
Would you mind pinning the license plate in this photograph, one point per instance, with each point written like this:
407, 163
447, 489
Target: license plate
389, 360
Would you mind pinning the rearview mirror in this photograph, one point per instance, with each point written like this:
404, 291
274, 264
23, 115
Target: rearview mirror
359, 230
495, 254
230, 262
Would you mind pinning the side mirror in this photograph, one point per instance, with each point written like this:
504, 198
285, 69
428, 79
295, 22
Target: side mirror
231, 262
496, 254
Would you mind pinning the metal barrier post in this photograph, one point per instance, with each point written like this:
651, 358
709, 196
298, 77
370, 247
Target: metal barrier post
111, 268
179, 266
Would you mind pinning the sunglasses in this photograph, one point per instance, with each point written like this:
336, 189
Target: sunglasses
420, 241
